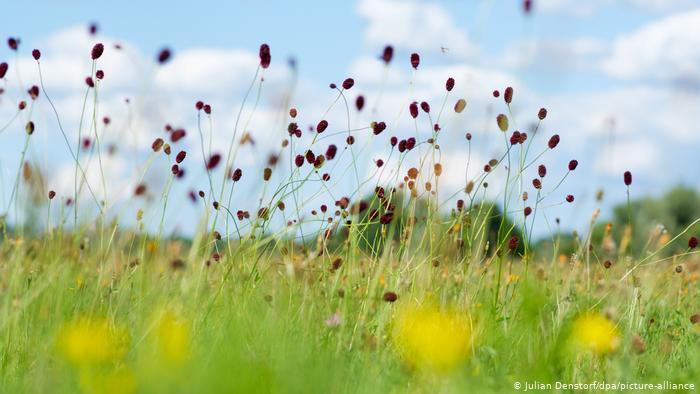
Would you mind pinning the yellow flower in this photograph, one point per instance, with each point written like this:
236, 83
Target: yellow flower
596, 333
173, 338
86, 341
430, 338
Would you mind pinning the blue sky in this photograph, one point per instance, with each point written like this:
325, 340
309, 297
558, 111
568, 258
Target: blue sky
621, 79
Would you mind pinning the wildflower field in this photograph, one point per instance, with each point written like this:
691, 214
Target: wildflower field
338, 261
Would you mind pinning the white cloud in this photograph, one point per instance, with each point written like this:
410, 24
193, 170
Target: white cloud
665, 50
413, 26
586, 9
555, 55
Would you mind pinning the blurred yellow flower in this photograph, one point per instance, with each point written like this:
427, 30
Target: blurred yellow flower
596, 333
430, 338
173, 338
87, 341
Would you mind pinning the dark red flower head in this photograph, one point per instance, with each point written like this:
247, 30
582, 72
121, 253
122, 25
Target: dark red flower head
3, 69
536, 183
570, 198
331, 151
542, 170
527, 6
496, 94
425, 107
99, 74
180, 156
265, 57
207, 109
378, 127
199, 105
157, 144
527, 211
390, 296
52, 194
348, 83
573, 164
90, 82
322, 126
410, 143
310, 156
237, 174
92, 29
450, 84
553, 142
402, 146
693, 242
33, 92
299, 160
393, 141
413, 109
213, 161
542, 113
628, 178
97, 51
360, 102
515, 138
13, 43
164, 55
36, 54
387, 54
513, 242
508, 95
177, 135
415, 60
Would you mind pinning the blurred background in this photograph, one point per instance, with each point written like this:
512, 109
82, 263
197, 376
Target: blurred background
620, 79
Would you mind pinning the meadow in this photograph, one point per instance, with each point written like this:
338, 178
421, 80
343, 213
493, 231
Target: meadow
394, 287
